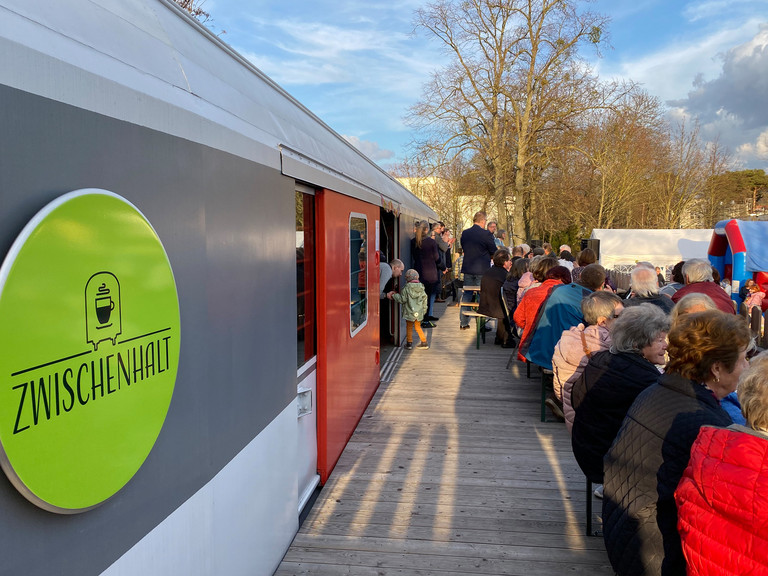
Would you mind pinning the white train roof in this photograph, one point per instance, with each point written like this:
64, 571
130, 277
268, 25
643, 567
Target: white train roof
148, 63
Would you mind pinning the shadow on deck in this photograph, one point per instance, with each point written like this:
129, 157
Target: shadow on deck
451, 471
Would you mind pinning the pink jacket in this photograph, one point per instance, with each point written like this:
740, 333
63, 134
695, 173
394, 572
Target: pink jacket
526, 281
754, 299
569, 360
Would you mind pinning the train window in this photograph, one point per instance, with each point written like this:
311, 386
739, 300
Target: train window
358, 273
305, 278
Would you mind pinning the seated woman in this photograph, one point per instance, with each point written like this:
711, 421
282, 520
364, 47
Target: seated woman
699, 303
490, 295
611, 381
512, 283
721, 500
585, 258
526, 278
707, 354
525, 313
690, 304
578, 343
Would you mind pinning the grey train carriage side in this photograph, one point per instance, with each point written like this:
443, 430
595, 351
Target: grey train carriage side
135, 100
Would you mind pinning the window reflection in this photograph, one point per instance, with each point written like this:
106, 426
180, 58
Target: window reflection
358, 228
305, 278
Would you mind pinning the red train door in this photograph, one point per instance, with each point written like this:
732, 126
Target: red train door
348, 320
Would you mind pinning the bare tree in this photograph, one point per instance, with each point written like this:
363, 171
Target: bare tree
619, 146
709, 206
515, 75
451, 187
680, 176
195, 8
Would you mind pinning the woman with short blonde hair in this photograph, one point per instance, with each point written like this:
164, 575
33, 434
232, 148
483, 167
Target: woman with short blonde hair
693, 302
753, 393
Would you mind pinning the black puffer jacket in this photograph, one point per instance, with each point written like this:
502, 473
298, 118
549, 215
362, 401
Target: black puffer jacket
510, 294
601, 397
643, 469
663, 301
490, 292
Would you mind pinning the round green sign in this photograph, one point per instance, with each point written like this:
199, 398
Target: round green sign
89, 329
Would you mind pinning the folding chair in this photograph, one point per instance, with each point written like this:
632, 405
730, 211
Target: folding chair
509, 322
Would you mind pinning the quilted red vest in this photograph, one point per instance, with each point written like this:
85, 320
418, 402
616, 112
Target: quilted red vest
722, 503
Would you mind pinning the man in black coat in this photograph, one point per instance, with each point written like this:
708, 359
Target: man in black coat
479, 247
490, 295
645, 290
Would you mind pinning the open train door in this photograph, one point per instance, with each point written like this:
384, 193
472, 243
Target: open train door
306, 330
390, 312
348, 319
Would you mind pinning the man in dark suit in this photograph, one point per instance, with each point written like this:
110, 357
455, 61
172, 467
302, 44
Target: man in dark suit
479, 247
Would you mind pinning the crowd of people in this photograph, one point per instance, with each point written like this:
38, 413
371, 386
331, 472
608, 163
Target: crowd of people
668, 417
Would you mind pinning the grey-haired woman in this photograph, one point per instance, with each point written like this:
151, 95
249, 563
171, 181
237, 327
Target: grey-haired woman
612, 380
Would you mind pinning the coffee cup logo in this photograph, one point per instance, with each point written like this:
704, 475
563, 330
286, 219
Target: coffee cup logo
102, 309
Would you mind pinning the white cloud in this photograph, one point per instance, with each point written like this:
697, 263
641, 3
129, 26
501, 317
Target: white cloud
354, 64
299, 72
370, 149
757, 149
732, 107
715, 76
626, 9
324, 41
359, 73
717, 9
740, 89
670, 71
362, 52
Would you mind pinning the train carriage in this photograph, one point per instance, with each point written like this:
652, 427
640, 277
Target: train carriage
169, 211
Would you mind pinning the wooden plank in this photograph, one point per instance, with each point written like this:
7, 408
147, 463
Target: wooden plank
435, 563
450, 471
470, 488
569, 540
430, 546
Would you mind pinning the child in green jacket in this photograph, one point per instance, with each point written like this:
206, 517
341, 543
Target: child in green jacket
414, 301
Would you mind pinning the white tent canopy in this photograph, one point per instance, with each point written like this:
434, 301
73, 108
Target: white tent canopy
663, 248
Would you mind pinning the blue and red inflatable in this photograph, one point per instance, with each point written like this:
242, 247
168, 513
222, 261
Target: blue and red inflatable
739, 251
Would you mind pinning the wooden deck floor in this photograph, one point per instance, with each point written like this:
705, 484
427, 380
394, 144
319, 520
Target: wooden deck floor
450, 471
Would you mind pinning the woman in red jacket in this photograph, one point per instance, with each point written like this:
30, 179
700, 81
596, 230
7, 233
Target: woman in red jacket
525, 313
722, 499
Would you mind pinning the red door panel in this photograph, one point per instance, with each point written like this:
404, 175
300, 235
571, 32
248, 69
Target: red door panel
347, 365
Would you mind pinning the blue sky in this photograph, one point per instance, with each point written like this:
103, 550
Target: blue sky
357, 65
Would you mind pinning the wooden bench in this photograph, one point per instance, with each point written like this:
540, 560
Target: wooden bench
480, 320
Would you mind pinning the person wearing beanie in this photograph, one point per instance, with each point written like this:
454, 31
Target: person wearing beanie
413, 298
